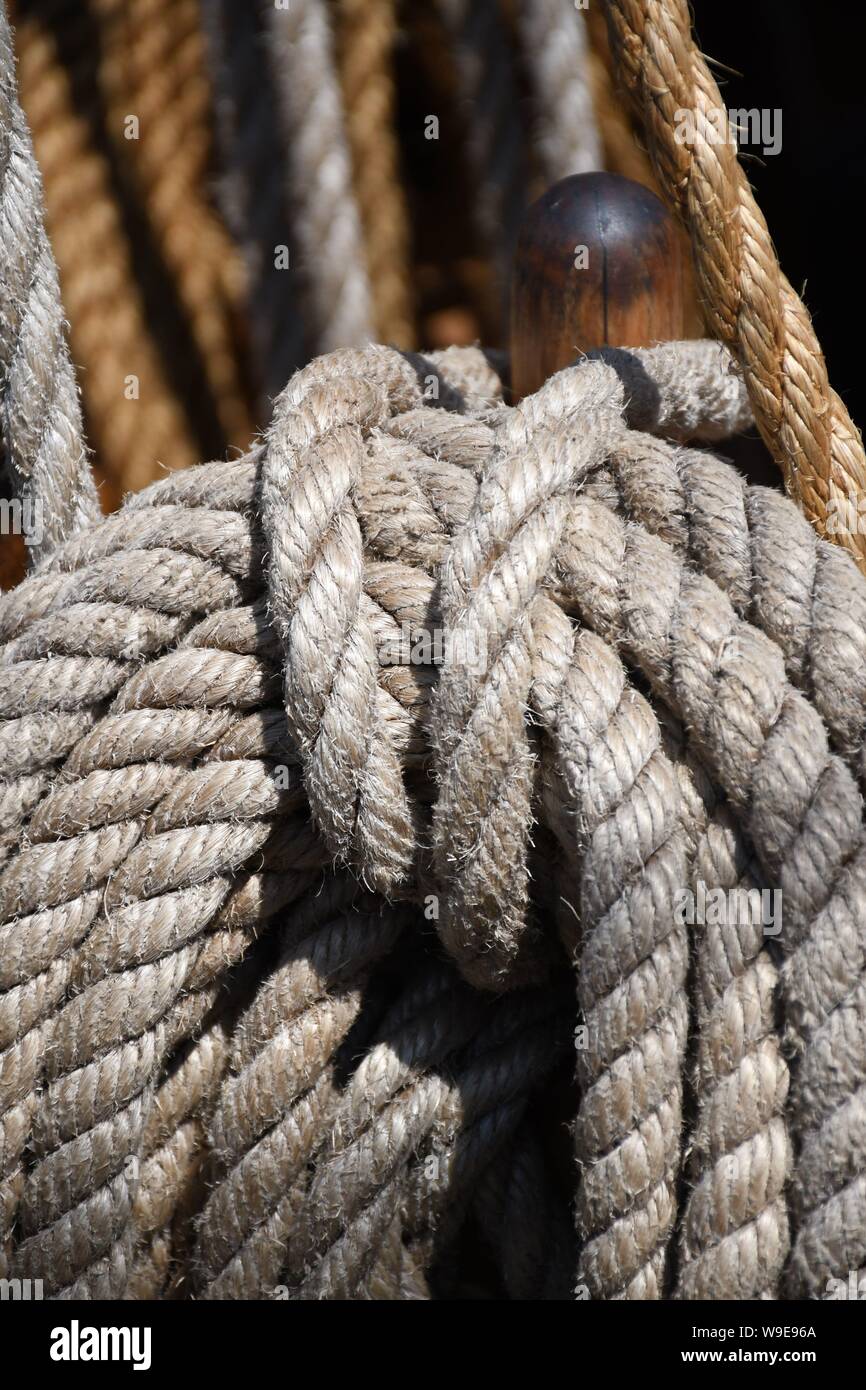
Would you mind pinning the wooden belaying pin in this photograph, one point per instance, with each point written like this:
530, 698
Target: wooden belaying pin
599, 262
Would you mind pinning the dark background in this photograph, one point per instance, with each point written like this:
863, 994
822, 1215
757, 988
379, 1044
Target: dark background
809, 58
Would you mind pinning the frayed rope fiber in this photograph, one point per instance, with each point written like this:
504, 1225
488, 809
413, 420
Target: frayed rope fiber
330, 772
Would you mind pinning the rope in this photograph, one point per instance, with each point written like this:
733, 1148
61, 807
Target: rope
487, 94
632, 966
366, 34
253, 199
41, 417
734, 1230
556, 48
195, 738
748, 303
327, 222
133, 416
153, 67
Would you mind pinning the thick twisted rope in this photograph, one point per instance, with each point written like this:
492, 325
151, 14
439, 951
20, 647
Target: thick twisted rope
770, 564
734, 1236
727, 683
748, 302
282, 1074
41, 426
190, 717
424, 1090
159, 795
614, 774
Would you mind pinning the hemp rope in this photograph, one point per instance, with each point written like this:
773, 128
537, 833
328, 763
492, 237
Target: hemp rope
555, 46
40, 414
365, 35
161, 838
749, 304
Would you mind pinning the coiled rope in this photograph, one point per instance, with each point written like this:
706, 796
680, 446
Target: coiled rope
248, 839
190, 745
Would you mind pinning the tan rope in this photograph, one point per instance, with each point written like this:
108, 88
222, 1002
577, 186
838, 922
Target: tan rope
747, 301
153, 70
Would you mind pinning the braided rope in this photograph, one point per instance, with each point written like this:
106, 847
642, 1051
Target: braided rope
42, 433
748, 302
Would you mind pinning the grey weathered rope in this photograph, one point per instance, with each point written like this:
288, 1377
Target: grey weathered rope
423, 1080
614, 775
734, 1235
225, 680
173, 1148
260, 1133
769, 562
727, 682
132, 894
40, 412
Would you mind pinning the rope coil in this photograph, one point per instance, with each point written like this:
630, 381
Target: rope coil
197, 737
